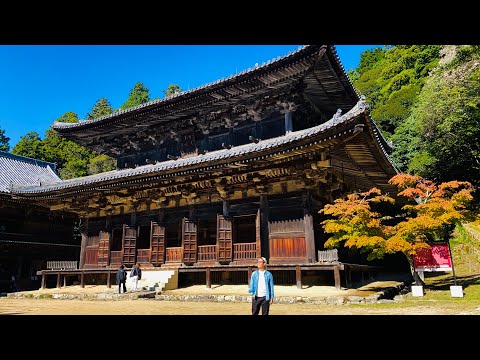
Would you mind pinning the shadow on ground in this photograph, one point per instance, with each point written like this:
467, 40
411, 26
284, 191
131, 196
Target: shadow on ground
444, 282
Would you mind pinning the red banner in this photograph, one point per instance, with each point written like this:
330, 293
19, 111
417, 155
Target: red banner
437, 258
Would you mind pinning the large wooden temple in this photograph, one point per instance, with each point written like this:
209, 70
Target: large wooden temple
209, 179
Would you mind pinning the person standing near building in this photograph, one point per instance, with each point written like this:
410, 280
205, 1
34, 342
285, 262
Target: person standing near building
261, 288
135, 275
121, 279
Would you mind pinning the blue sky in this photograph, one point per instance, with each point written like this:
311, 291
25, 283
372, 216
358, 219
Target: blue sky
39, 83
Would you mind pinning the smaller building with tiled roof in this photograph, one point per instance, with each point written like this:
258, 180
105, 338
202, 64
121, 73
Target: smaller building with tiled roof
30, 235
16, 170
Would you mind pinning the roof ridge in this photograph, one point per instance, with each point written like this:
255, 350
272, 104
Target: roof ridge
256, 67
27, 159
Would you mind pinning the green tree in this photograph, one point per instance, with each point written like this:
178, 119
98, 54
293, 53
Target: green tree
391, 79
440, 138
138, 95
71, 158
101, 108
69, 117
172, 90
30, 145
100, 164
4, 146
368, 60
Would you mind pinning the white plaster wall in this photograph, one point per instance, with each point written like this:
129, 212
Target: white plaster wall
155, 277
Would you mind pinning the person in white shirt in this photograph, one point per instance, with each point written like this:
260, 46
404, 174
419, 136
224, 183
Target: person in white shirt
135, 275
261, 288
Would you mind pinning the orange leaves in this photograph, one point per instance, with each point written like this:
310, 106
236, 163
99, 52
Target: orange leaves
455, 186
411, 193
462, 198
336, 226
429, 216
403, 181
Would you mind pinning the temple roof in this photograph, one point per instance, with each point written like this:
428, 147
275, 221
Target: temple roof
220, 157
326, 85
16, 170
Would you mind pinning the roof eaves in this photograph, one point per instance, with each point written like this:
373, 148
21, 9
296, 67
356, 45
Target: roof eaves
218, 155
64, 126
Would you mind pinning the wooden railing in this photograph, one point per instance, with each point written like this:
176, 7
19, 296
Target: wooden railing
207, 253
244, 251
143, 256
62, 265
173, 254
328, 255
115, 259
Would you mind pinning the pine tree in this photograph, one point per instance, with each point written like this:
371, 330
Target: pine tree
30, 145
101, 108
172, 90
138, 95
4, 146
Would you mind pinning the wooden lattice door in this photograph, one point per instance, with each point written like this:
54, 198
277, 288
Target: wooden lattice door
189, 241
104, 248
157, 244
224, 238
129, 245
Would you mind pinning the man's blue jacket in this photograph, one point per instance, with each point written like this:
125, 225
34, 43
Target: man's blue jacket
268, 282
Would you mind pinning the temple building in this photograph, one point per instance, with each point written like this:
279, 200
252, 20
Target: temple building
30, 235
209, 179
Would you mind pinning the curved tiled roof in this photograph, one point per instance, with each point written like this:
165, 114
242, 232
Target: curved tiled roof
16, 170
208, 158
275, 64
62, 125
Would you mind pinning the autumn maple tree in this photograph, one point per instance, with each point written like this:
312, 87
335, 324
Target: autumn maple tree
365, 220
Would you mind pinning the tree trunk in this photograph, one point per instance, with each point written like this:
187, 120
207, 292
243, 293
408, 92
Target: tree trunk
416, 277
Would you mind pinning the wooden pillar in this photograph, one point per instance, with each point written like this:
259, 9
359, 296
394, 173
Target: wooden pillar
83, 246
64, 280
207, 276
44, 280
161, 215
336, 275
225, 208
192, 212
258, 129
288, 122
264, 238
82, 280
108, 222
231, 136
19, 267
348, 276
109, 279
308, 226
249, 274
309, 237
133, 218
298, 276
59, 278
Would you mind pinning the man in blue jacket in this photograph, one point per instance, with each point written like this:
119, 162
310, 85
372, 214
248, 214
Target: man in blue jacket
261, 288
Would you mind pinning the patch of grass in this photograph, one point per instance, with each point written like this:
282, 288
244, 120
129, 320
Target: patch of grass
45, 296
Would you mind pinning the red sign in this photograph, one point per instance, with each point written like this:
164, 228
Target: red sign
437, 258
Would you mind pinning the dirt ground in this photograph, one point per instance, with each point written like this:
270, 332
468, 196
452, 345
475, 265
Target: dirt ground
27, 306
153, 307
